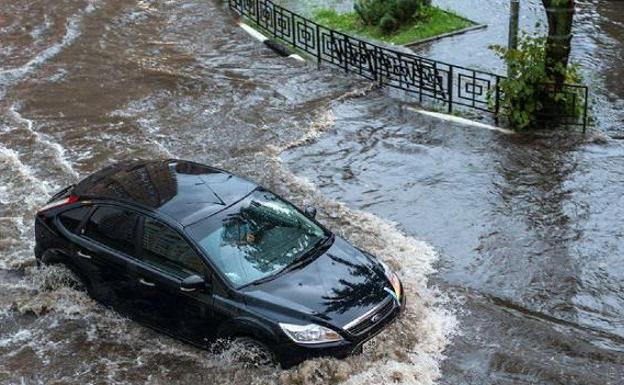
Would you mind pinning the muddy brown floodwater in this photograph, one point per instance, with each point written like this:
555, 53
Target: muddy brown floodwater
510, 245
86, 83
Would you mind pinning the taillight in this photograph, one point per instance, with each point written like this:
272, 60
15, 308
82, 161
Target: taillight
60, 203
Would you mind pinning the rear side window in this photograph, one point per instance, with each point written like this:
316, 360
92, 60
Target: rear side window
70, 219
113, 227
165, 249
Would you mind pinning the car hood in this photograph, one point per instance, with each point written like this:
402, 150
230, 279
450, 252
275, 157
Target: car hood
337, 287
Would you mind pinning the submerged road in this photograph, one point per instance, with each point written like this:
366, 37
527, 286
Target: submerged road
524, 231
86, 83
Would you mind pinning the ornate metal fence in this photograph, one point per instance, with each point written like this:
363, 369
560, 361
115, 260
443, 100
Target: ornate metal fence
425, 78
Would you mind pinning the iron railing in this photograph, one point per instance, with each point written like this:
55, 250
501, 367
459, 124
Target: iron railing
425, 78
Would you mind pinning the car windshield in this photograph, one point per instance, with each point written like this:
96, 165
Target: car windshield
257, 237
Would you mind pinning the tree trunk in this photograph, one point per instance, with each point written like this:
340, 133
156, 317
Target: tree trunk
560, 15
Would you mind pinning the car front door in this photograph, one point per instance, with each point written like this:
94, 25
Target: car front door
167, 258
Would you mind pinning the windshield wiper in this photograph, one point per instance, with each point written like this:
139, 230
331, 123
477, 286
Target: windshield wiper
324, 243
319, 247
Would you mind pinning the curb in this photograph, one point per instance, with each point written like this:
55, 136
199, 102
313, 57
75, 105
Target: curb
445, 35
273, 45
464, 121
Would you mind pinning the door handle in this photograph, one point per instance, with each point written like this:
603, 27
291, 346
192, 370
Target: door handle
146, 283
83, 255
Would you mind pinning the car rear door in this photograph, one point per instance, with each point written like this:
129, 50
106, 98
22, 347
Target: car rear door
166, 259
106, 247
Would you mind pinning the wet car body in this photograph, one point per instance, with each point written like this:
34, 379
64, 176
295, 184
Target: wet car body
135, 234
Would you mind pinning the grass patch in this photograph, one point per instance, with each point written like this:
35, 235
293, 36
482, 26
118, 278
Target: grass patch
435, 21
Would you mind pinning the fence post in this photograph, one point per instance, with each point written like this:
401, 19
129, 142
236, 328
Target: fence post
373, 61
497, 99
379, 56
293, 30
318, 44
450, 89
332, 45
257, 2
420, 80
347, 48
585, 109
274, 19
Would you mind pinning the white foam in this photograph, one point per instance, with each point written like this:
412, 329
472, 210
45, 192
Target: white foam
20, 187
19, 337
13, 168
39, 30
59, 151
323, 122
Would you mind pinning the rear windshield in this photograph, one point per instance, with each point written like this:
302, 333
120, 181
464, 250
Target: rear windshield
256, 237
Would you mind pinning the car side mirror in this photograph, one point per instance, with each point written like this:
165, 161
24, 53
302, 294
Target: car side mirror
192, 283
310, 212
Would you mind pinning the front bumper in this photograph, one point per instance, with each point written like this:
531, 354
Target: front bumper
291, 353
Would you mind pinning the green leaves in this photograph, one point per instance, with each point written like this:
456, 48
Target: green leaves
388, 24
529, 94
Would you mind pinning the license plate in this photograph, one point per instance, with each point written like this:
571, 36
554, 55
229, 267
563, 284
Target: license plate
369, 346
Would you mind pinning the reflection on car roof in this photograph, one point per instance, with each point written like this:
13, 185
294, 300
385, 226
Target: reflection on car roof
186, 191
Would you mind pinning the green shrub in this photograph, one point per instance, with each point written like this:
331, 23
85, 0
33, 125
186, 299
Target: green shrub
370, 11
389, 15
388, 24
528, 95
407, 10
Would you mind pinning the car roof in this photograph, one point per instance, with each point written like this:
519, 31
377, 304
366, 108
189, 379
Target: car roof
185, 191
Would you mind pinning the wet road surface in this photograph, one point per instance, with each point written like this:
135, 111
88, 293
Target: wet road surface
527, 226
86, 83
524, 230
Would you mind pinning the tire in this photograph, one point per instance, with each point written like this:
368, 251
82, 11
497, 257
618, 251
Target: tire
250, 351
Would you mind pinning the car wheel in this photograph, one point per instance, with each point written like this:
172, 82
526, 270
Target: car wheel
253, 352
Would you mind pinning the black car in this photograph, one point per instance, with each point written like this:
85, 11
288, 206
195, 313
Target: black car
201, 254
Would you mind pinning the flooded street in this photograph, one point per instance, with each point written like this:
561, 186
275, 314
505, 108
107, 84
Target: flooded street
92, 82
510, 246
528, 227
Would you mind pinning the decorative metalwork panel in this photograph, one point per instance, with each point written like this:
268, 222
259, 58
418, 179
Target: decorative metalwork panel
450, 84
473, 88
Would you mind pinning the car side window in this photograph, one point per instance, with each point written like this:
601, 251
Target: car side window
70, 219
113, 227
165, 249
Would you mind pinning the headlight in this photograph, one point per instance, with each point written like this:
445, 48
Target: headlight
394, 280
310, 334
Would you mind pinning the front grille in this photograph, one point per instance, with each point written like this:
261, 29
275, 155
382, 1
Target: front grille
372, 319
